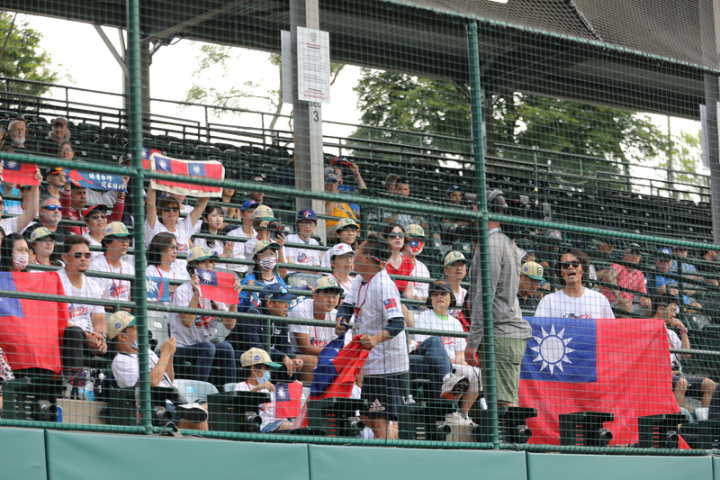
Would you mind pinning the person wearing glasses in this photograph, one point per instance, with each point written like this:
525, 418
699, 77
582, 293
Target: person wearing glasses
86, 329
74, 199
268, 229
115, 244
397, 263
50, 216
96, 220
575, 300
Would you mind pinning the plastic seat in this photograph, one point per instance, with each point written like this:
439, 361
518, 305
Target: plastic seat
195, 391
229, 387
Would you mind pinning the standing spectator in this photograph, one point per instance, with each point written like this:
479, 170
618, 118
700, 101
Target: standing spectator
195, 334
379, 322
337, 210
246, 230
306, 222
455, 269
415, 242
212, 222
74, 200
631, 278
575, 300
86, 330
530, 277
42, 246
58, 134
346, 232
115, 244
511, 330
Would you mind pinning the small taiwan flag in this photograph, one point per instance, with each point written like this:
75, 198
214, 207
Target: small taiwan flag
20, 173
288, 399
218, 286
390, 303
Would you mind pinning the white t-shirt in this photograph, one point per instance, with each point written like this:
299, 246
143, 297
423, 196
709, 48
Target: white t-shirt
203, 328
9, 225
376, 302
176, 273
267, 410
93, 243
591, 304
183, 232
79, 312
239, 249
187, 210
459, 302
126, 369
674, 342
302, 256
217, 248
319, 336
420, 289
430, 321
113, 289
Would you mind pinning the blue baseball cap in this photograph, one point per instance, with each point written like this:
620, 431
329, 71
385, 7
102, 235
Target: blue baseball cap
248, 204
276, 292
306, 215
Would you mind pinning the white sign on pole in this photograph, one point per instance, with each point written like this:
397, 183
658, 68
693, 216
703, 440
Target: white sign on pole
286, 50
313, 65
704, 136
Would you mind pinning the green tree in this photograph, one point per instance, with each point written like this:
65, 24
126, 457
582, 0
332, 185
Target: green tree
21, 57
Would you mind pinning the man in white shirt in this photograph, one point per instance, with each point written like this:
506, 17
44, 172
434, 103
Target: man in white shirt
306, 223
86, 330
115, 244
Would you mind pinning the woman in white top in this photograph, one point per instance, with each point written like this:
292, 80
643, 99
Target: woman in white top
575, 300
246, 230
212, 222
165, 217
161, 257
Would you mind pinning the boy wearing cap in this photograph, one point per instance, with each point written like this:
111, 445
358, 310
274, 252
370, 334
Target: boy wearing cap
195, 334
414, 247
531, 274
309, 340
306, 223
256, 365
342, 262
268, 228
346, 232
455, 269
245, 230
115, 244
338, 210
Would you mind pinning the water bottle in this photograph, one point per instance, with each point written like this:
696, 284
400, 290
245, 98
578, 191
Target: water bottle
89, 388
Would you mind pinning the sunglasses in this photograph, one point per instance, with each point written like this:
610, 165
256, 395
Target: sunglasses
394, 235
82, 254
52, 208
566, 265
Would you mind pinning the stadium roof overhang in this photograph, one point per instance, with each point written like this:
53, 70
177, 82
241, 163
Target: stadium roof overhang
549, 47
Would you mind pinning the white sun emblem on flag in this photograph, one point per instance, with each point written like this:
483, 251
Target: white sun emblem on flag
11, 164
281, 393
206, 277
162, 164
196, 169
552, 349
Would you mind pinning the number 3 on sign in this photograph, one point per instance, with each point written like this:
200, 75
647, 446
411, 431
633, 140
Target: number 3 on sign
316, 115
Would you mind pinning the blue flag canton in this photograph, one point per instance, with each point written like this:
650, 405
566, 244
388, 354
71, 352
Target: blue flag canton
163, 164
9, 307
282, 393
207, 277
11, 165
196, 169
561, 350
146, 153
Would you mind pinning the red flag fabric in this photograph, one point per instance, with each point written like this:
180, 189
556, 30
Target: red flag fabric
20, 173
288, 400
30, 330
154, 160
621, 366
218, 286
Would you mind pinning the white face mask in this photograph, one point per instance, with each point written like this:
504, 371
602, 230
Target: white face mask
267, 264
20, 260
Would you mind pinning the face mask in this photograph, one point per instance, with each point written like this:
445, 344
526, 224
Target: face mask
134, 345
265, 377
20, 260
416, 247
268, 264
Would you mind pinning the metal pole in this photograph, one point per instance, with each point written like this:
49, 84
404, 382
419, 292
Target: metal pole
483, 248
139, 294
711, 114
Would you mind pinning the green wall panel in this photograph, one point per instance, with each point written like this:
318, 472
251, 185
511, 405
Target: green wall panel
363, 463
22, 454
609, 467
79, 456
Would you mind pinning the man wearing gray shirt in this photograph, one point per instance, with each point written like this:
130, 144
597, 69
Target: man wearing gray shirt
510, 329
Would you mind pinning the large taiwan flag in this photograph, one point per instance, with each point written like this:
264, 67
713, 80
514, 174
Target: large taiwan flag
154, 160
30, 330
621, 366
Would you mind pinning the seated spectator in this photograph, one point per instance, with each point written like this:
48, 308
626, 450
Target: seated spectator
454, 230
439, 319
264, 272
50, 216
414, 245
115, 244
246, 230
337, 164
16, 134
256, 365
531, 274
19, 223
195, 334
337, 210
251, 332
86, 329
14, 254
397, 264
161, 256
575, 300
56, 180
657, 281
308, 340
212, 222
229, 213
342, 262
390, 182
74, 200
548, 251
165, 217
402, 189
257, 197
688, 270
269, 229
306, 222
455, 270
346, 232
95, 222
122, 330
695, 387
629, 277
42, 246
710, 267
58, 134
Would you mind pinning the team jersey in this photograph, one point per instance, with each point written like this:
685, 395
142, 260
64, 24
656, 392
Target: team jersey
430, 321
204, 327
319, 336
113, 289
80, 313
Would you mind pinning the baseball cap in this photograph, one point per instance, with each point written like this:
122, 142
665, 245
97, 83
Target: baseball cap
328, 283
453, 188
262, 245
440, 286
95, 208
116, 229
198, 254
257, 356
533, 270
41, 232
53, 170
453, 257
346, 222
340, 249
61, 120
307, 215
415, 231
118, 322
248, 204
276, 292
263, 212
633, 247
330, 175
125, 159
664, 253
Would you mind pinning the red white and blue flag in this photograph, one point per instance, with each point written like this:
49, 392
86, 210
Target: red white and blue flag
98, 181
30, 330
20, 173
288, 400
218, 286
154, 160
390, 303
620, 366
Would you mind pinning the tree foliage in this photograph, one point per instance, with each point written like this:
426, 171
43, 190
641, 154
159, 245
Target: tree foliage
22, 58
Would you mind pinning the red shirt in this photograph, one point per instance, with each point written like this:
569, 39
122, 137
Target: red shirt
69, 213
406, 268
